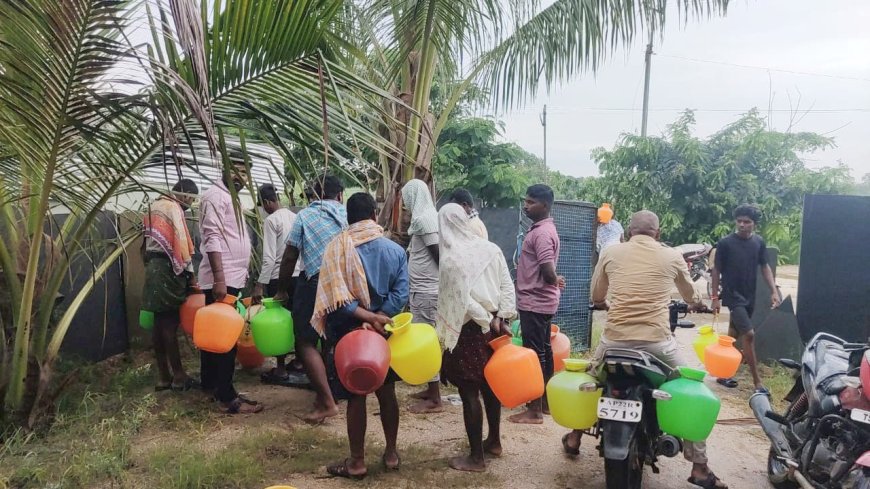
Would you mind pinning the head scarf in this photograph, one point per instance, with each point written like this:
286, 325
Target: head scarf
342, 276
463, 258
418, 200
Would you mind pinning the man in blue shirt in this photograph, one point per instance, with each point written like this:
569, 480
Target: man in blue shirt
314, 228
364, 282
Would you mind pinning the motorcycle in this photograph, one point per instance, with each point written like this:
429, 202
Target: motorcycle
627, 429
822, 441
696, 256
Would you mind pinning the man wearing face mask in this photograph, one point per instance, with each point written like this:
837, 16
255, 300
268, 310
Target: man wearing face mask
224, 271
168, 251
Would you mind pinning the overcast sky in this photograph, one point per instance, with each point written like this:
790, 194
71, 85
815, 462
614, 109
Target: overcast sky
808, 36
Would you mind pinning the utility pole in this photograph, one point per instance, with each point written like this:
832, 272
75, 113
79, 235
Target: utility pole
544, 123
649, 52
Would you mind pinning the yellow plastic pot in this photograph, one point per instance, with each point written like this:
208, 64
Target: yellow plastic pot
706, 337
415, 353
570, 406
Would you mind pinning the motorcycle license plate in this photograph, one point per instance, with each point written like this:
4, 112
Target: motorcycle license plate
860, 415
619, 410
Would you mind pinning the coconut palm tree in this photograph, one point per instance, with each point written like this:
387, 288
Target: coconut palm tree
84, 110
509, 48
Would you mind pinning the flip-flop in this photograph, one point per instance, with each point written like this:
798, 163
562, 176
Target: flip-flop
188, 384
708, 483
340, 470
729, 383
387, 466
246, 400
272, 378
569, 449
762, 390
161, 387
237, 406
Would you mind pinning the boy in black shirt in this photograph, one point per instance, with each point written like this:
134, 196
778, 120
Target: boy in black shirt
738, 257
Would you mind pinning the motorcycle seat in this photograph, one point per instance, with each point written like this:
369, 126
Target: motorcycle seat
635, 362
831, 361
691, 250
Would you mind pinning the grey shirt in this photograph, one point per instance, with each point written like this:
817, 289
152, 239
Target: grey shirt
422, 267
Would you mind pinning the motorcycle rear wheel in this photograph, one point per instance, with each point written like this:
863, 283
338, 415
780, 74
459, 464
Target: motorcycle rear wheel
777, 472
625, 474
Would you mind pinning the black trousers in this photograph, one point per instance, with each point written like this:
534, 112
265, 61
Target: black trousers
217, 369
535, 328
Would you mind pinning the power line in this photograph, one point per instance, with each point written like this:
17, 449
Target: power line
765, 68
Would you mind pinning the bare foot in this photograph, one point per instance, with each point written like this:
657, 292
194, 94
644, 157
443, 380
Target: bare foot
527, 417
427, 407
391, 460
466, 464
319, 415
492, 447
422, 395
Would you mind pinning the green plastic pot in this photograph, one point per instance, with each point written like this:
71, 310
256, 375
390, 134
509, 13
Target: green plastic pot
691, 412
570, 406
146, 320
272, 329
517, 337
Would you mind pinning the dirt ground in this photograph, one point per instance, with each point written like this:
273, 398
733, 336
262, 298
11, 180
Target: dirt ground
532, 456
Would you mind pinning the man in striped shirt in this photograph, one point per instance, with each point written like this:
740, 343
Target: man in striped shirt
314, 228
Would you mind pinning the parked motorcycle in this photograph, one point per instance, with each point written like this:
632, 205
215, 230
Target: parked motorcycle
697, 258
822, 441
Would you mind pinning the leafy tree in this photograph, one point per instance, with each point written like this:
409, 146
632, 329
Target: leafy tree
510, 48
77, 129
497, 173
693, 184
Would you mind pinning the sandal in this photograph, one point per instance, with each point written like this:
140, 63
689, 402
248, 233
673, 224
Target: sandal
247, 400
237, 406
389, 467
188, 384
340, 470
162, 387
762, 390
729, 383
273, 378
574, 451
710, 482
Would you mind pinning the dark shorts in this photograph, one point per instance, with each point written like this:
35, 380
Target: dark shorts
334, 333
464, 364
304, 298
741, 319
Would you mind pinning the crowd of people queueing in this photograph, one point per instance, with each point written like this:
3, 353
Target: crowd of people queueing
332, 265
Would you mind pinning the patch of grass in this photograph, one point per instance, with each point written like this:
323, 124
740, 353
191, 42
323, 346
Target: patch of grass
84, 447
779, 380
182, 467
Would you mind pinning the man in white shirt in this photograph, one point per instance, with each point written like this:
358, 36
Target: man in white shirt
276, 228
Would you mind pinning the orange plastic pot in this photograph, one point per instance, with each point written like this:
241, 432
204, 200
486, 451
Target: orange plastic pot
561, 345
605, 213
362, 360
513, 373
722, 359
249, 356
217, 326
193, 303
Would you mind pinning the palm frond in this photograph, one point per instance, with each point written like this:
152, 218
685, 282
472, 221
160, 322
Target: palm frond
572, 36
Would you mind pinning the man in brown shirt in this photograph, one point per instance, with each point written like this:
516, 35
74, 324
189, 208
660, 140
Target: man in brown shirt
639, 276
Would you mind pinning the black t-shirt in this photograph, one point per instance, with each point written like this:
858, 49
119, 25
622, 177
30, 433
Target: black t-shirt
738, 259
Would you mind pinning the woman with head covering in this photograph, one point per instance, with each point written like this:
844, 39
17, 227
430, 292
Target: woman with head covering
475, 302
423, 274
